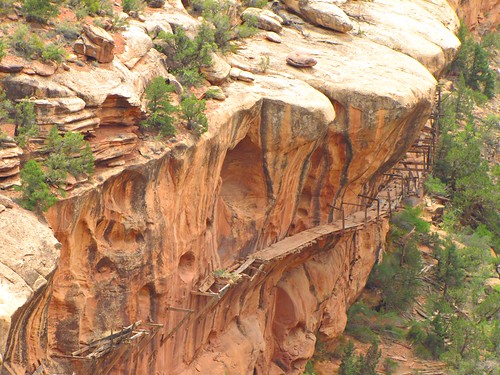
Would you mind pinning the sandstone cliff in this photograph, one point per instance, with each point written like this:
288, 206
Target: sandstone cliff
280, 153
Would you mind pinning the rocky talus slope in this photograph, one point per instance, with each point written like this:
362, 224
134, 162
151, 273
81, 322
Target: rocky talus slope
286, 146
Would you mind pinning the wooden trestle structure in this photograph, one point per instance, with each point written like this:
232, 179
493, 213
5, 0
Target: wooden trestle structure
404, 179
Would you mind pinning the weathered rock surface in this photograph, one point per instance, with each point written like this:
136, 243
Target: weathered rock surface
95, 43
139, 238
218, 72
138, 44
264, 20
325, 13
301, 59
28, 259
9, 162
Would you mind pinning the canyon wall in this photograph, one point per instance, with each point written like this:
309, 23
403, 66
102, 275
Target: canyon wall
478, 15
160, 217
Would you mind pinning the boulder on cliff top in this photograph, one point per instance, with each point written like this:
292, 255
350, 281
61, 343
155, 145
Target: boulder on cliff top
218, 72
325, 13
95, 43
264, 20
138, 43
301, 60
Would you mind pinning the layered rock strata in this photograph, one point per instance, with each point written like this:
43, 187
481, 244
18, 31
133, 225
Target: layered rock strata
281, 152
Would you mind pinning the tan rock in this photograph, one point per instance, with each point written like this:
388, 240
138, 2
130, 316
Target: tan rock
325, 13
273, 37
218, 72
246, 76
263, 20
44, 70
114, 146
301, 59
156, 23
28, 259
96, 43
137, 44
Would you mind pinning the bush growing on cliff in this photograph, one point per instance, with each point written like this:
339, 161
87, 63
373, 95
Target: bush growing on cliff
133, 5
36, 193
219, 14
39, 10
192, 111
69, 154
2, 50
25, 43
188, 55
26, 123
161, 111
362, 364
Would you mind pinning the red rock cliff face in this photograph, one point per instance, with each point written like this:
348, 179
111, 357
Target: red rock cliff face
279, 155
482, 15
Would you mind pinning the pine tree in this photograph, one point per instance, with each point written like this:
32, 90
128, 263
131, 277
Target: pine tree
192, 112
160, 109
39, 10
36, 192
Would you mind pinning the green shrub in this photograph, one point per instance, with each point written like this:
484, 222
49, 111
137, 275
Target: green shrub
39, 10
362, 364
6, 6
161, 111
2, 50
26, 123
27, 44
53, 52
85, 7
36, 193
472, 62
192, 111
189, 55
69, 30
133, 5
6, 107
219, 14
69, 154
435, 186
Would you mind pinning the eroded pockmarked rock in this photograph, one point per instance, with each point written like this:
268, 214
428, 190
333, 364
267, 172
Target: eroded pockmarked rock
28, 259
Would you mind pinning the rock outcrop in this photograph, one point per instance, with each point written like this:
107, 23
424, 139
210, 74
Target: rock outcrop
95, 43
139, 240
28, 259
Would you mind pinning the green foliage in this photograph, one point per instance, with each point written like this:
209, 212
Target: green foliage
219, 15
449, 269
6, 107
192, 112
27, 44
53, 52
309, 370
365, 323
68, 154
362, 364
475, 197
39, 10
36, 193
69, 30
6, 6
160, 109
85, 7
133, 5
188, 55
435, 186
25, 119
3, 47
472, 62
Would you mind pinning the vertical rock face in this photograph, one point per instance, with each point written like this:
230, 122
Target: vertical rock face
28, 259
279, 155
483, 15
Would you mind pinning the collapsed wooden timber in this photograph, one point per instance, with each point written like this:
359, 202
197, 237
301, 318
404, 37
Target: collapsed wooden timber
131, 335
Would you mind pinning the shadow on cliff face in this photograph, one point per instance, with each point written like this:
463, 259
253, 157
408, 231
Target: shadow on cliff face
243, 197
